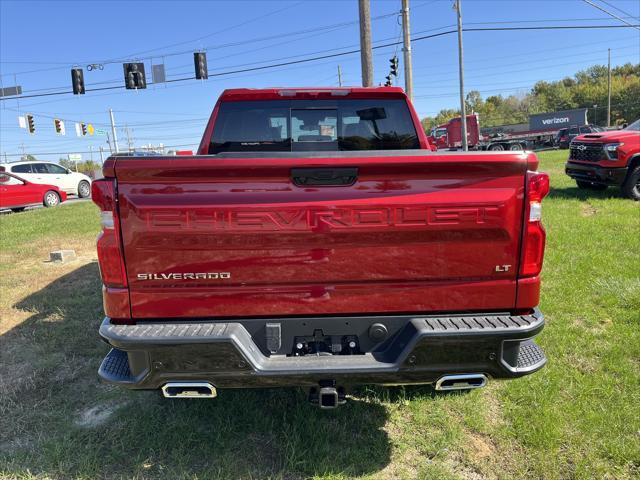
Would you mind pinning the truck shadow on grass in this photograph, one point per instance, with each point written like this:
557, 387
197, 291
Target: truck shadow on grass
575, 193
59, 421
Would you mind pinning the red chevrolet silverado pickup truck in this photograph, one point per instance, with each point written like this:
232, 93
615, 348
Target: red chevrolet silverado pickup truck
315, 240
598, 160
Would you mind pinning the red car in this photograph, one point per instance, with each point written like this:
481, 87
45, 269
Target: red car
17, 194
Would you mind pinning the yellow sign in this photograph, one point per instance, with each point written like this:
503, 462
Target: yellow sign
90, 129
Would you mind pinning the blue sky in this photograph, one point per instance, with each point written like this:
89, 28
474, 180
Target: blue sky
41, 41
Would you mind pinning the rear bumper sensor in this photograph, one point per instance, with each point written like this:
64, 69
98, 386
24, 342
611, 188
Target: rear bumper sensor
417, 349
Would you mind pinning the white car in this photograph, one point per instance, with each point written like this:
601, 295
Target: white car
72, 183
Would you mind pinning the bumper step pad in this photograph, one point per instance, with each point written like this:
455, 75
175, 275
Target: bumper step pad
530, 355
115, 367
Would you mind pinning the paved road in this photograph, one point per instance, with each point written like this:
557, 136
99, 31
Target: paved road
70, 200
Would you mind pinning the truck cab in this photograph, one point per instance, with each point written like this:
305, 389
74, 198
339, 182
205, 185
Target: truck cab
602, 159
438, 137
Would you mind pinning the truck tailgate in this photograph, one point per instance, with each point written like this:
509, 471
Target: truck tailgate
233, 235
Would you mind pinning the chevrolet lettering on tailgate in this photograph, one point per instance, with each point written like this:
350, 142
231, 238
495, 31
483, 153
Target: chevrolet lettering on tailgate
340, 218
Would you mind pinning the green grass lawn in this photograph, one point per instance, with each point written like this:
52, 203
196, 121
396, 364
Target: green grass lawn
576, 418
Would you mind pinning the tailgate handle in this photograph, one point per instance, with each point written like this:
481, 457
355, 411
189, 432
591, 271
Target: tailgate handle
328, 177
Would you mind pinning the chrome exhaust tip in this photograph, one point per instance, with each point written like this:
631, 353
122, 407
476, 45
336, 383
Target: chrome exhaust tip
467, 381
189, 390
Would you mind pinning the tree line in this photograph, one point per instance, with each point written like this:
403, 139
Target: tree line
586, 89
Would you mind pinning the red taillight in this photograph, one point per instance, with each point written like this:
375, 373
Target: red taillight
110, 255
534, 234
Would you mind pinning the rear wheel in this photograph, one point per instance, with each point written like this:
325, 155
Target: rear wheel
497, 147
84, 189
631, 186
515, 147
18, 209
590, 185
51, 199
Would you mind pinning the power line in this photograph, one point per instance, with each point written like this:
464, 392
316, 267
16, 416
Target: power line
611, 14
164, 89
241, 24
238, 65
439, 79
328, 28
618, 9
159, 122
339, 54
431, 67
110, 61
573, 47
324, 29
550, 20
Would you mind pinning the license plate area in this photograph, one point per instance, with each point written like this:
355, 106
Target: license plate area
321, 344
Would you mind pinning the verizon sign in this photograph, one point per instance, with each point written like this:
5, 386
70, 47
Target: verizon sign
557, 120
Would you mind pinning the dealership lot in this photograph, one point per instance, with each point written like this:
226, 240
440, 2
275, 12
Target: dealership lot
577, 418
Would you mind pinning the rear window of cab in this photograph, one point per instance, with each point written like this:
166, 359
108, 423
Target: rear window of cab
318, 125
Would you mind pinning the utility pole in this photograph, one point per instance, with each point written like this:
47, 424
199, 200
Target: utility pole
101, 155
113, 131
463, 109
339, 76
366, 57
406, 49
609, 91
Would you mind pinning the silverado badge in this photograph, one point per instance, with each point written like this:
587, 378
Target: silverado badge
185, 276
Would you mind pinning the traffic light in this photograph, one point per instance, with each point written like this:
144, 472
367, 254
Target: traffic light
59, 124
83, 129
200, 63
394, 66
134, 76
388, 82
31, 126
77, 80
